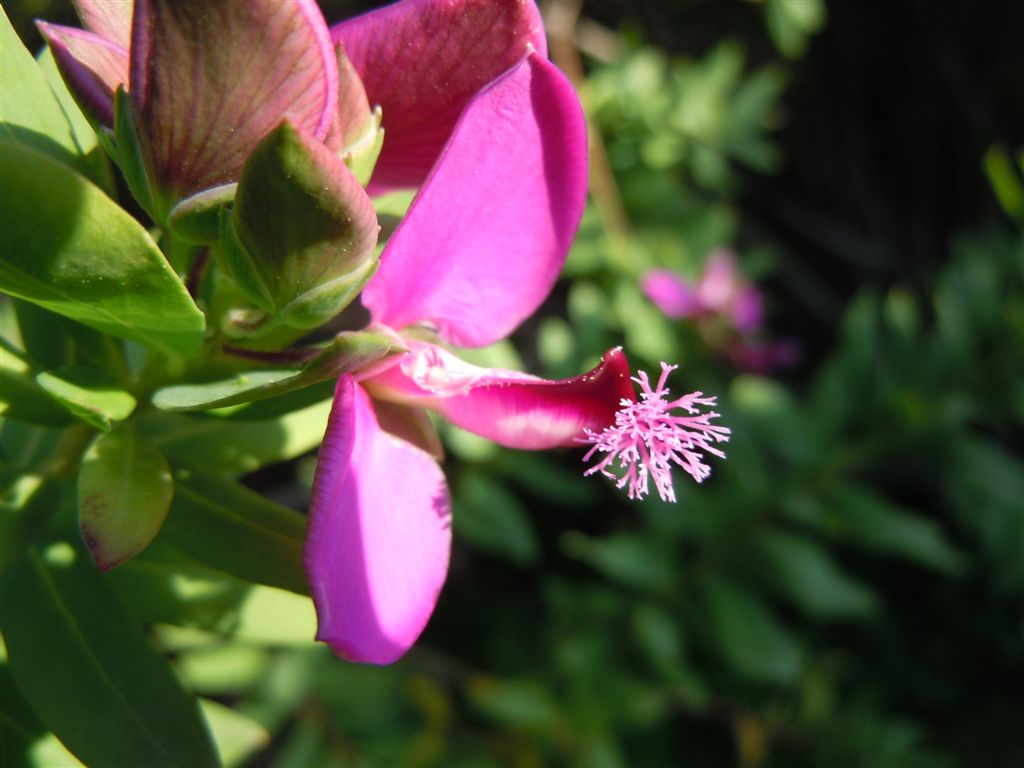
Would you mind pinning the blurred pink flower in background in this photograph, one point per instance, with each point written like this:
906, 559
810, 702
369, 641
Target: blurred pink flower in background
722, 295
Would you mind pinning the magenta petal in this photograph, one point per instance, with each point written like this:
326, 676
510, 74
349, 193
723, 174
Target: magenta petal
422, 61
670, 293
210, 79
92, 67
111, 19
487, 235
379, 534
509, 407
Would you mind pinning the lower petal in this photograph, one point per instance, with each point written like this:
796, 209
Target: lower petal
379, 534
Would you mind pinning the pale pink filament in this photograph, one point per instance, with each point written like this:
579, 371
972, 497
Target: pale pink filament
647, 439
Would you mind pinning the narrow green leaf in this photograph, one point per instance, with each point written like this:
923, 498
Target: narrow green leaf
237, 446
124, 493
85, 666
232, 529
31, 114
94, 397
70, 248
347, 352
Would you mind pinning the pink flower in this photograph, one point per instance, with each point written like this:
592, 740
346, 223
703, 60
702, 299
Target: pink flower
719, 292
479, 249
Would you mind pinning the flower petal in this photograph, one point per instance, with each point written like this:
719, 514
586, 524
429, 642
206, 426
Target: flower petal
670, 293
379, 534
110, 19
508, 407
210, 79
423, 60
487, 235
92, 67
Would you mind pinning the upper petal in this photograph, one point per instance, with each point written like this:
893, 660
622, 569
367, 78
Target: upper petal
379, 534
508, 407
423, 60
111, 19
210, 79
92, 67
487, 235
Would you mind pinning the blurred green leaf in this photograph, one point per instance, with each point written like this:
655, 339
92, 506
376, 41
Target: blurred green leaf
232, 529
749, 635
868, 520
93, 396
624, 557
124, 494
236, 736
70, 248
26, 507
518, 704
802, 572
1005, 180
88, 671
493, 519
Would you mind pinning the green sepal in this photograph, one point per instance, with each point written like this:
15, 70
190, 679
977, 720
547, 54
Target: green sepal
361, 156
127, 153
300, 238
196, 219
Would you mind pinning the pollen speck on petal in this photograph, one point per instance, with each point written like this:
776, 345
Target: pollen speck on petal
647, 438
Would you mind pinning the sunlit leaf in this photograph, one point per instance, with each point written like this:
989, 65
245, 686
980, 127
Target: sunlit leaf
124, 492
88, 671
93, 396
70, 248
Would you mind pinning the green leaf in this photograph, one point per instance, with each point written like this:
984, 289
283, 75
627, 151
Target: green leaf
31, 114
490, 517
70, 248
91, 395
85, 666
749, 635
870, 521
21, 398
26, 508
237, 736
236, 446
232, 529
124, 493
347, 352
803, 573
300, 238
625, 558
84, 135
514, 703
